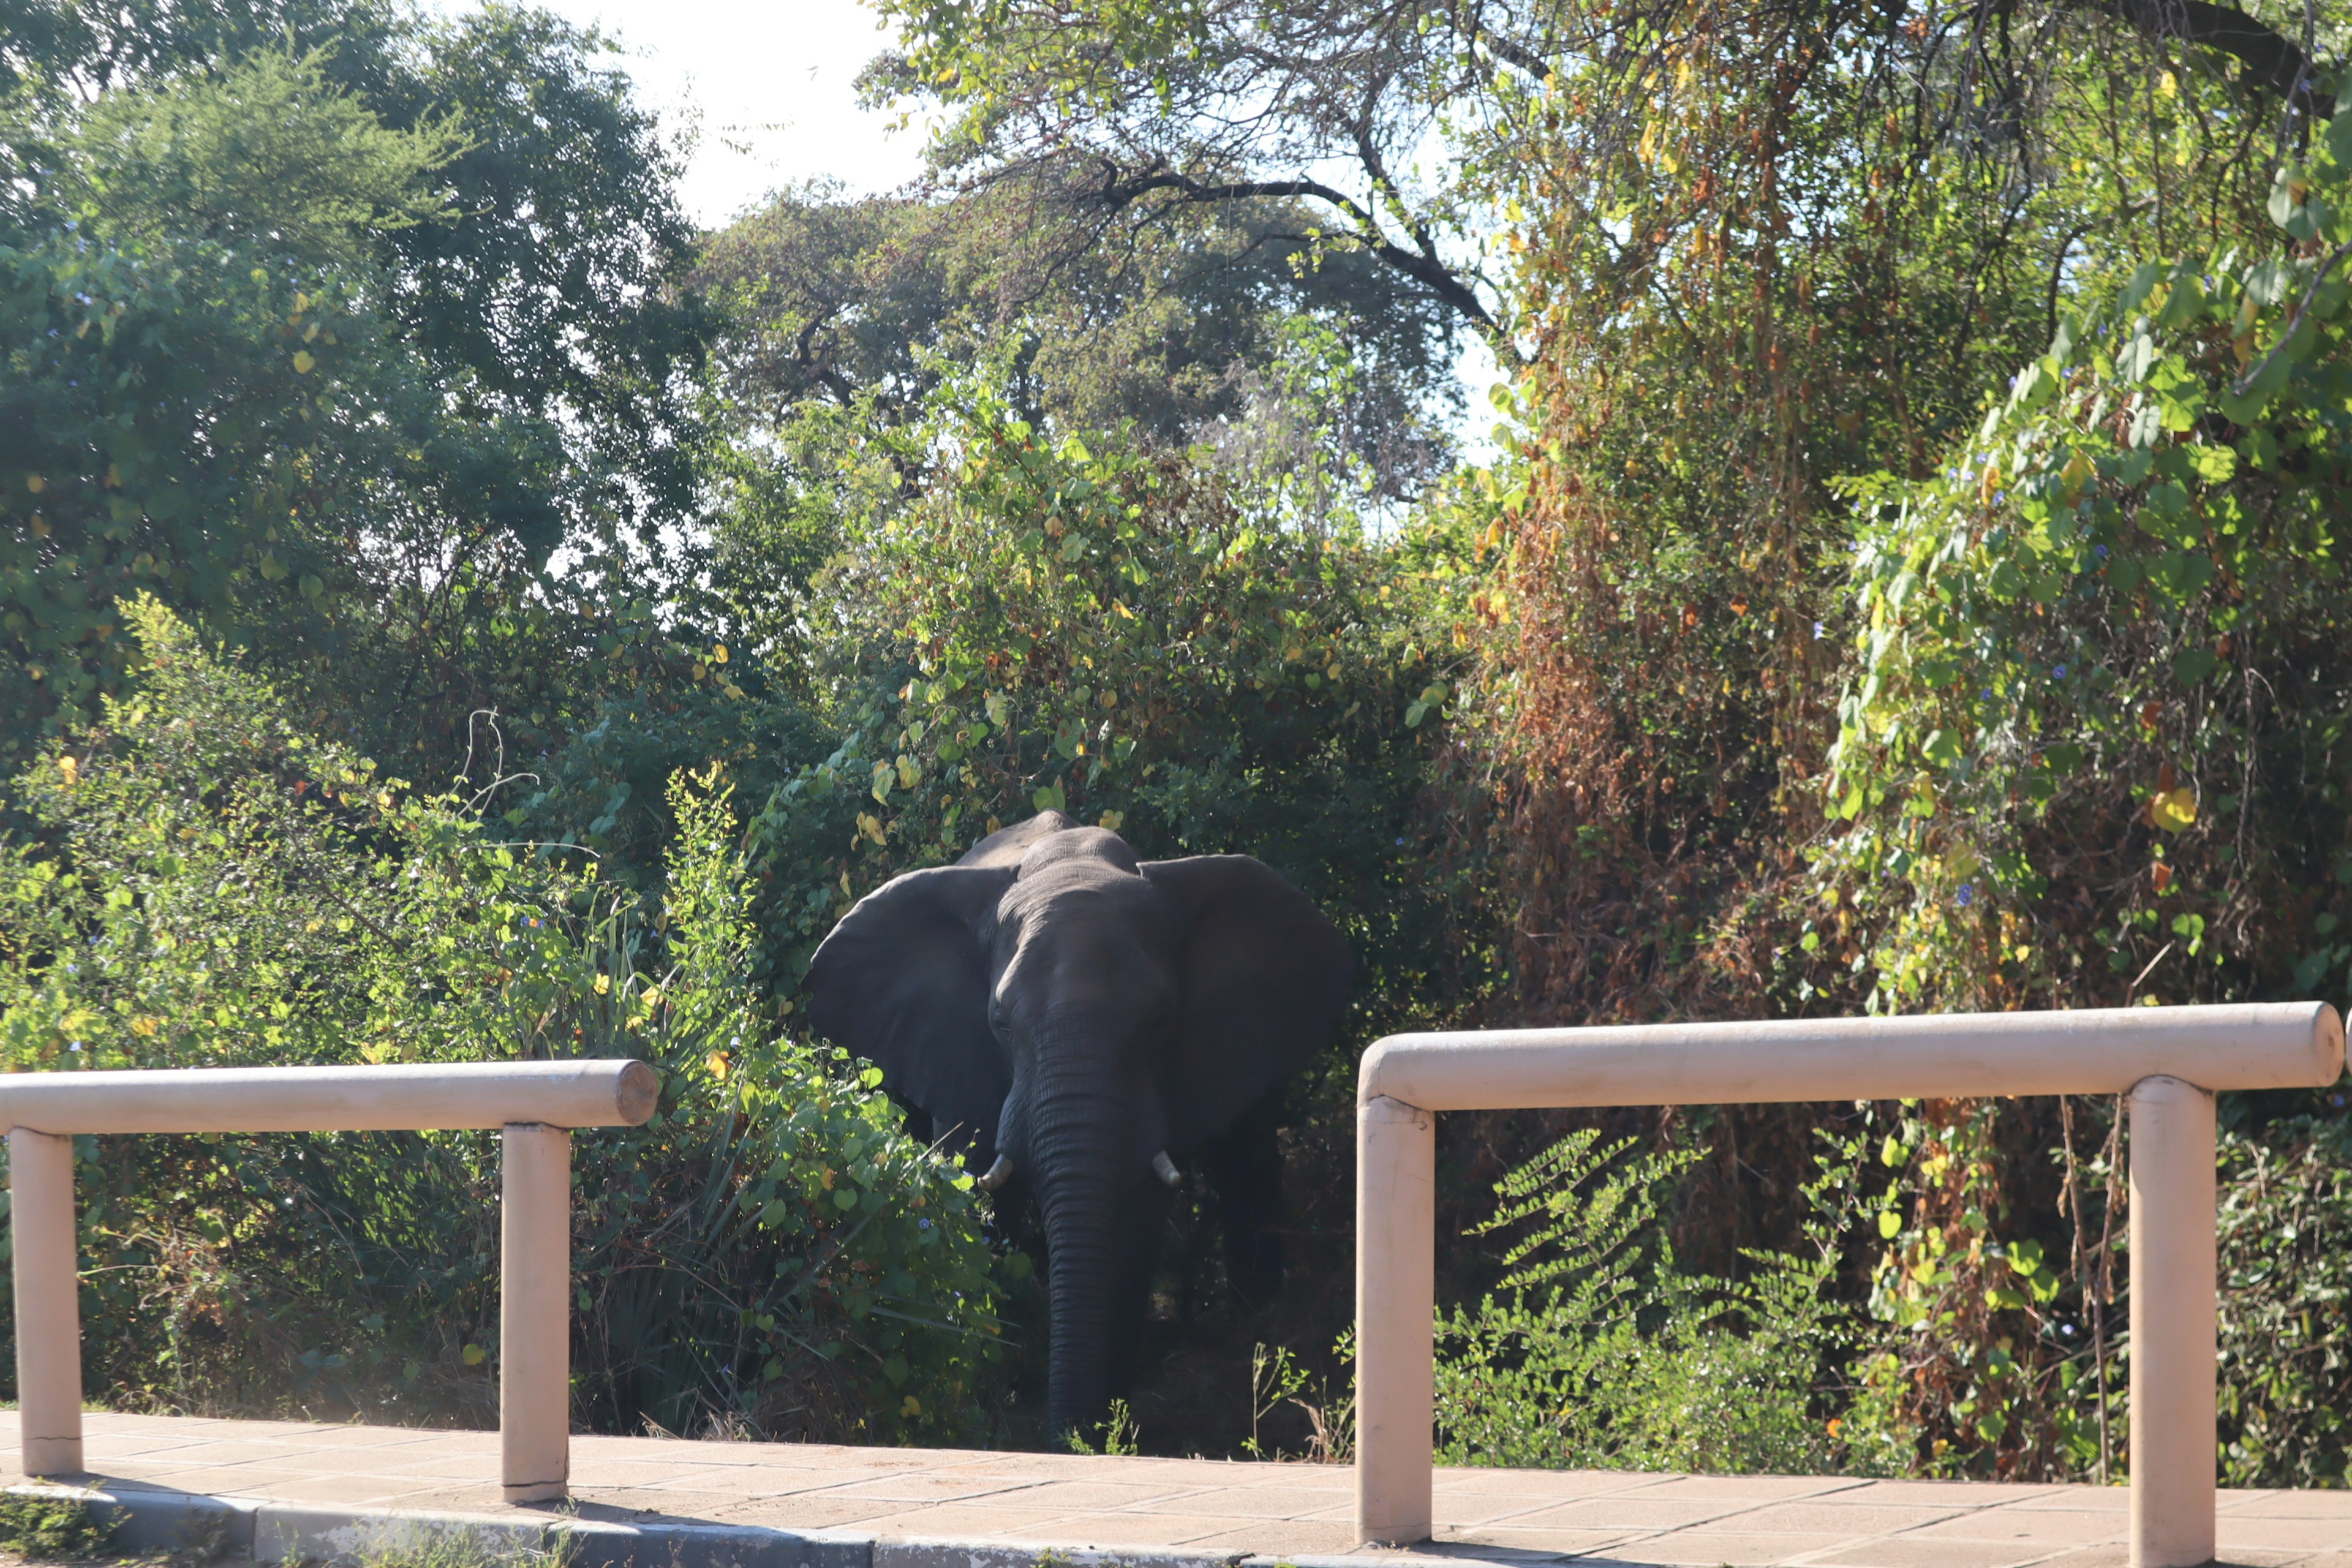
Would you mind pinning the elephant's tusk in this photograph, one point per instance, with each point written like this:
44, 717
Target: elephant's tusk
998, 1174
1165, 1168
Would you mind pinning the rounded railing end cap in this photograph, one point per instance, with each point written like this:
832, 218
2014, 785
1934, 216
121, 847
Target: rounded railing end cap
2327, 1035
635, 1096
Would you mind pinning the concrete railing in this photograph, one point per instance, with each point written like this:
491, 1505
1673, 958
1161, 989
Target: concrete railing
536, 1103
2168, 1060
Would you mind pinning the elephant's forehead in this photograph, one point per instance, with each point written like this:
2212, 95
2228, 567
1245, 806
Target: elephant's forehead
1079, 845
1077, 895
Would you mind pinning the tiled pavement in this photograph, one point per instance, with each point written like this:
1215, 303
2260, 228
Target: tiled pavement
1193, 1508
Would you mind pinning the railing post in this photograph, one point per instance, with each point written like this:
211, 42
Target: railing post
48, 1301
2173, 1324
1396, 1250
535, 1313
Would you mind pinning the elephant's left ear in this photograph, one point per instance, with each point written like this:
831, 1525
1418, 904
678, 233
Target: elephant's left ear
1264, 979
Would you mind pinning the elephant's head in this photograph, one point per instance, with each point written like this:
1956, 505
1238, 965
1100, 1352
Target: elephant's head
1072, 1017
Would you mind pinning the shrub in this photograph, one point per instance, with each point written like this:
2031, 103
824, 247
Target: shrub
1137, 638
208, 884
1596, 1351
53, 1528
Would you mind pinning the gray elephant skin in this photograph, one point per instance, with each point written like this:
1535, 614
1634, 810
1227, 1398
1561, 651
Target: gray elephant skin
1079, 1021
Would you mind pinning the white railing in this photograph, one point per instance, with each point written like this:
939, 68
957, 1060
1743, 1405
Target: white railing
536, 1103
2168, 1060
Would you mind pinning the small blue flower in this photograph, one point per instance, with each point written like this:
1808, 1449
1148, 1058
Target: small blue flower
1818, 633
1966, 896
2059, 673
2102, 551
922, 1224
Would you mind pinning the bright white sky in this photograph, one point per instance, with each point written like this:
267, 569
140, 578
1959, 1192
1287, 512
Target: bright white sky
765, 89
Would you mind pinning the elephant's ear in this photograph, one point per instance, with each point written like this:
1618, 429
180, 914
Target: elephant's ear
903, 981
1264, 979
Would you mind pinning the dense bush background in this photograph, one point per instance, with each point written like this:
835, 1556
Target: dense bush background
1903, 575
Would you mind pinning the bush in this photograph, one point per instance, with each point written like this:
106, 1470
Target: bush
53, 1528
208, 884
1598, 1352
1137, 638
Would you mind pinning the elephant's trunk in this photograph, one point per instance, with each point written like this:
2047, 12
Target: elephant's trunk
1080, 1163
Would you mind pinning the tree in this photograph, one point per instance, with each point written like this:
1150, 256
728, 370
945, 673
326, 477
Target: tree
295, 342
1359, 110
1105, 320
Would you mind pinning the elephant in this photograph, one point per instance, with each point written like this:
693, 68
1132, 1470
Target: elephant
1074, 1020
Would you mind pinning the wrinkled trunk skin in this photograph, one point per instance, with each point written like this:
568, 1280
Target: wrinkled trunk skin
1100, 1226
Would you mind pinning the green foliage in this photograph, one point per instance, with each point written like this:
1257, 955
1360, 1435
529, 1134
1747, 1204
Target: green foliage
269, 160
288, 347
2287, 1364
2110, 618
1170, 325
53, 1528
212, 884
1135, 638
397, 1543
1598, 1352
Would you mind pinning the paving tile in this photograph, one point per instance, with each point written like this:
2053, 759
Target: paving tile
924, 1487
1627, 1512
1714, 1547
1827, 1516
1565, 1542
1488, 1518
2308, 1534
1936, 1494
950, 1521
1745, 1489
1914, 1552
823, 1512
2056, 1528
2076, 1500
2336, 1504
1280, 1537
2114, 1554
633, 1473
1566, 1485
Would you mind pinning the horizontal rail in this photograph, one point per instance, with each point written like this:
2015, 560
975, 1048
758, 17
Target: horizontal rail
401, 1097
2166, 1061
1930, 1057
536, 1103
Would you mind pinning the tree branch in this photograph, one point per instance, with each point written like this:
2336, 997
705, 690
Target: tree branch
1431, 274
2273, 62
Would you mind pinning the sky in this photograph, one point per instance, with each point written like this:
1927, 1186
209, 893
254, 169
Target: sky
764, 88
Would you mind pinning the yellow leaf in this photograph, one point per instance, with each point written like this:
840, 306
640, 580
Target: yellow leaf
603, 984
35, 483
719, 654
2174, 810
69, 769
303, 362
474, 1356
718, 1063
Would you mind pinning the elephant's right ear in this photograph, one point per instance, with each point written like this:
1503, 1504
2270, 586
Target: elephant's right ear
903, 981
